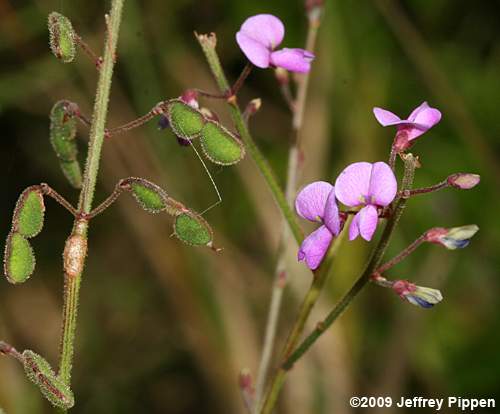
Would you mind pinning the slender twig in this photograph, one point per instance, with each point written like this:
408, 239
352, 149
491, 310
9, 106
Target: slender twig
425, 190
75, 252
118, 190
49, 191
157, 110
8, 349
321, 327
293, 173
401, 256
88, 51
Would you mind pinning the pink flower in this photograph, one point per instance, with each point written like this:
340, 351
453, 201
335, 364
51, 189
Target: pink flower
316, 202
420, 120
368, 185
258, 38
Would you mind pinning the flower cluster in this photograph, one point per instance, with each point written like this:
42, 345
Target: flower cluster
369, 191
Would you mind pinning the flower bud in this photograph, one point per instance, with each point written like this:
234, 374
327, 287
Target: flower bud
417, 295
464, 181
453, 238
62, 37
190, 96
252, 107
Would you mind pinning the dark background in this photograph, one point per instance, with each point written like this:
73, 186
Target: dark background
166, 328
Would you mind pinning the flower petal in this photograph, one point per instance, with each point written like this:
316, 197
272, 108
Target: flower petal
383, 185
422, 119
331, 216
353, 183
311, 200
424, 105
367, 223
255, 52
385, 117
294, 60
354, 227
265, 29
314, 247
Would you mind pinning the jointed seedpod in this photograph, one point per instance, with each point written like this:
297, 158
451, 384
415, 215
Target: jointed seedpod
62, 37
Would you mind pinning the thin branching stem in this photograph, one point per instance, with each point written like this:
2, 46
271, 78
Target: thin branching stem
50, 192
401, 256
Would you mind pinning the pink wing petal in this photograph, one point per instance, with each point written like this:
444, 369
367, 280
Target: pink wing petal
417, 110
354, 227
385, 117
311, 200
428, 117
255, 52
368, 219
353, 183
314, 247
294, 60
383, 185
266, 29
331, 218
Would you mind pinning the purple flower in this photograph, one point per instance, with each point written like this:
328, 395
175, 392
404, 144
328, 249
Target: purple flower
316, 202
258, 38
367, 185
420, 120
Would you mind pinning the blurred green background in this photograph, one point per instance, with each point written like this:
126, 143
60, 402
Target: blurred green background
166, 328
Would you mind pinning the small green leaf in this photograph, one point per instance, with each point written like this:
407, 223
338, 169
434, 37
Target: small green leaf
193, 229
220, 146
72, 172
39, 371
62, 37
185, 121
19, 260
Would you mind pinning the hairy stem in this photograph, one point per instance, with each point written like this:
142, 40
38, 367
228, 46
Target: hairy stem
291, 357
401, 256
293, 175
75, 252
208, 43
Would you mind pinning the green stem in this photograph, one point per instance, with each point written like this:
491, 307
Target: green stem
208, 43
75, 258
291, 358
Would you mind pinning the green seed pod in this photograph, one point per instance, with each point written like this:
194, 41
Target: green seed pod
29, 213
192, 229
19, 260
220, 146
63, 131
72, 172
151, 197
62, 37
39, 371
185, 121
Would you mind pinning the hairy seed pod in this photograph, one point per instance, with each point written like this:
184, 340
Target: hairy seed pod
192, 229
221, 146
39, 371
62, 37
74, 255
29, 213
19, 260
186, 121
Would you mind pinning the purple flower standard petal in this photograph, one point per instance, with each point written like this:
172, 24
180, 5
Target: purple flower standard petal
255, 52
331, 217
367, 222
383, 185
314, 247
258, 36
422, 107
352, 185
385, 117
266, 29
294, 60
312, 199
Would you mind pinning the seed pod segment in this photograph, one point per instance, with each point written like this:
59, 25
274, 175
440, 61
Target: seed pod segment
19, 260
62, 37
221, 146
192, 229
29, 213
186, 121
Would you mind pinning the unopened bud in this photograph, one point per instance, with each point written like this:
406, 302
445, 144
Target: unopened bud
464, 181
190, 96
417, 295
453, 238
252, 108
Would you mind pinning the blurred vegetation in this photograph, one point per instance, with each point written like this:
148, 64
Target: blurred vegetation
166, 328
